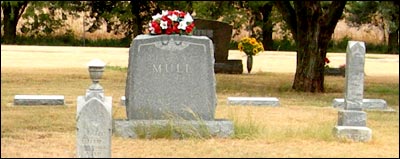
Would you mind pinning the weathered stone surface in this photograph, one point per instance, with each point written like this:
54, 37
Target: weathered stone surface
170, 76
171, 87
216, 128
354, 86
271, 101
94, 127
352, 118
354, 133
38, 100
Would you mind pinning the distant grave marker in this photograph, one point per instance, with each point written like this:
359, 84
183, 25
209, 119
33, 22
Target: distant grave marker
220, 33
352, 120
38, 100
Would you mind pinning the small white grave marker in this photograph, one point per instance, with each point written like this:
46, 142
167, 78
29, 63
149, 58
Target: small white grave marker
272, 101
38, 100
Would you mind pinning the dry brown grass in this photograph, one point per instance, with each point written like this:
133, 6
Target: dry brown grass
300, 127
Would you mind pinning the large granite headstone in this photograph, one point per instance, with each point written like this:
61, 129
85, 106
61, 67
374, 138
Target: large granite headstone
170, 77
352, 120
170, 74
93, 118
220, 33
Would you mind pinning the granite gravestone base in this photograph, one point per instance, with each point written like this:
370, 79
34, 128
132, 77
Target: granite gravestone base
352, 120
171, 83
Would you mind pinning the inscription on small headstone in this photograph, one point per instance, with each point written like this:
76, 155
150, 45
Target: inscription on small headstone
94, 128
354, 86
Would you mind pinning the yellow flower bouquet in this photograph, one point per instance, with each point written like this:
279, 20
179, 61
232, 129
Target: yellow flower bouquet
250, 46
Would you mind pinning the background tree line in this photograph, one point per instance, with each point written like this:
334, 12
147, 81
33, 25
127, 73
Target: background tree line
309, 23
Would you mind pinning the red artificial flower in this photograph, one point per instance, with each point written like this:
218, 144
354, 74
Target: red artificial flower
169, 31
182, 14
156, 26
165, 18
189, 28
175, 28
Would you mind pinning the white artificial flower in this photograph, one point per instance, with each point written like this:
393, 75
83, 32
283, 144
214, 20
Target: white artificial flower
188, 18
151, 29
164, 12
173, 17
157, 16
163, 24
182, 25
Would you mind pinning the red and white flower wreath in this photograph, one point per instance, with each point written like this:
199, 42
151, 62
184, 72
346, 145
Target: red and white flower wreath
171, 22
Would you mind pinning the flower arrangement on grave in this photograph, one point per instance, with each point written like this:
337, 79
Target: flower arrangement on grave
251, 47
326, 62
332, 70
172, 22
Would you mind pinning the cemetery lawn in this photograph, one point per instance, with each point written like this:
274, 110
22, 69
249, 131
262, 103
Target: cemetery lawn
300, 127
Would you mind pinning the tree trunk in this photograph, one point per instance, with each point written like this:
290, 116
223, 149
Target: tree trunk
267, 26
12, 13
312, 29
393, 43
309, 75
137, 19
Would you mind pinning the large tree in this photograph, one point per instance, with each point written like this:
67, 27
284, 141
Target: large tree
312, 24
12, 12
260, 22
41, 17
129, 17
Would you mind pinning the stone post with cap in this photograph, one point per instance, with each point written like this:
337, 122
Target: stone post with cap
93, 117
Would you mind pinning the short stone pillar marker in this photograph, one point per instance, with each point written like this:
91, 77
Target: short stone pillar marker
352, 120
93, 118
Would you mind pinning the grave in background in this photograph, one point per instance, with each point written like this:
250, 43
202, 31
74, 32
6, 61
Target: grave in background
257, 101
352, 121
367, 104
38, 100
220, 33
